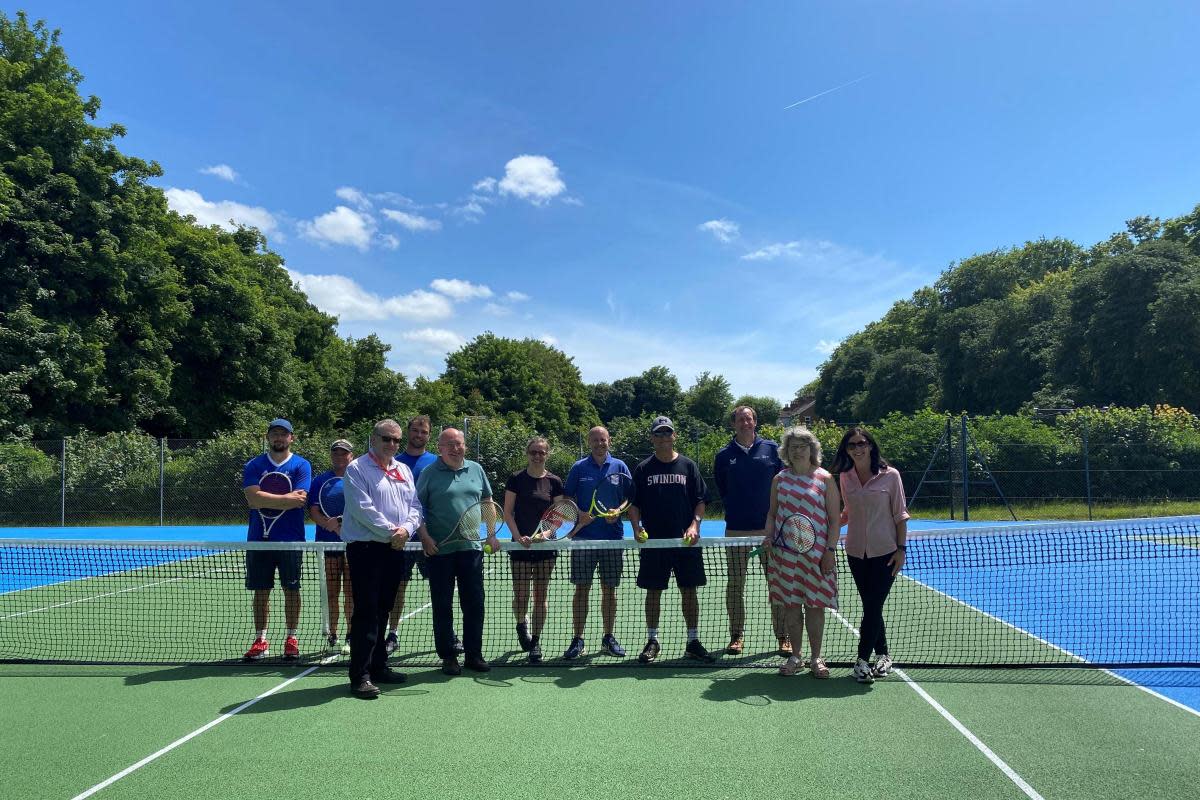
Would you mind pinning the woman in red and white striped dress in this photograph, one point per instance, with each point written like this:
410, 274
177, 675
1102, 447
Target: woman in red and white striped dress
809, 580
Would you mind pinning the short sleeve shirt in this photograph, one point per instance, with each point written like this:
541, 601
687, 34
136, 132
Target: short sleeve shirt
289, 526
534, 496
667, 494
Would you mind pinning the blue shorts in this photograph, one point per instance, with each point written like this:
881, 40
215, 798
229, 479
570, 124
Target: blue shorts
585, 562
657, 565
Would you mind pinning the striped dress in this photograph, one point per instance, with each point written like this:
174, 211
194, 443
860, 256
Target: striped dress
796, 579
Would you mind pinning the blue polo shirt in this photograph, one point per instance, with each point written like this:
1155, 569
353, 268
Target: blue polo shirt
581, 485
289, 527
416, 463
744, 481
314, 501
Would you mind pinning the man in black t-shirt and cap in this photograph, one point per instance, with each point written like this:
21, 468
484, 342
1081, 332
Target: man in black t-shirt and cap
668, 503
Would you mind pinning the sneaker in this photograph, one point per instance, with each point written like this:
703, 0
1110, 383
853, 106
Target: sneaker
331, 644
258, 650
736, 644
535, 651
291, 648
882, 667
477, 664
650, 651
346, 648
791, 666
610, 645
785, 647
819, 670
523, 636
862, 672
696, 650
390, 643
575, 650
458, 645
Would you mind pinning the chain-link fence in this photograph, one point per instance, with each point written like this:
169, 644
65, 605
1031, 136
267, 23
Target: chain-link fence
961, 471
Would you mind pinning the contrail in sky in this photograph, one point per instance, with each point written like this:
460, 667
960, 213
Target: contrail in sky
827, 91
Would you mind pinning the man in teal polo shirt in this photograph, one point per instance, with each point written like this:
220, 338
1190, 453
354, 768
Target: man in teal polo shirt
447, 488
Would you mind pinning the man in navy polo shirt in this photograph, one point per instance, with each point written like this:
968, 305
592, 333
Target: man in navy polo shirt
581, 483
261, 565
743, 471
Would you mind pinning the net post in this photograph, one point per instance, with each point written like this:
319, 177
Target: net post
323, 591
950, 465
63, 497
966, 474
162, 478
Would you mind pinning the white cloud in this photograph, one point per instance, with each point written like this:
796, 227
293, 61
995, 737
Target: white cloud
413, 222
825, 346
353, 196
547, 339
485, 185
472, 209
389, 241
459, 289
435, 340
227, 214
516, 297
724, 230
222, 171
796, 251
532, 178
497, 309
350, 302
341, 226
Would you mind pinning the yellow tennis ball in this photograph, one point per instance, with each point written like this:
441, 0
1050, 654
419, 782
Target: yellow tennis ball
487, 548
641, 537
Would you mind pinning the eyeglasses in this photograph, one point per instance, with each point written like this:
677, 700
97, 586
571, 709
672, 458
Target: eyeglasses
662, 433
857, 445
390, 439
536, 452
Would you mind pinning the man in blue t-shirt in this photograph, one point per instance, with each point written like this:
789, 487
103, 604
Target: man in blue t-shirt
287, 527
743, 470
416, 458
329, 529
580, 485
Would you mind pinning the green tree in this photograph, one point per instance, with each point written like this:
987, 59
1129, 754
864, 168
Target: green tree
709, 399
766, 409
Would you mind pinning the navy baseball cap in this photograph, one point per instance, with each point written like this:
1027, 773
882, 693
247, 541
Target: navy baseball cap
662, 424
280, 423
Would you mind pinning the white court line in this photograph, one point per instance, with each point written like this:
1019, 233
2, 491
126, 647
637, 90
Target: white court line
1052, 646
92, 597
1000, 763
184, 739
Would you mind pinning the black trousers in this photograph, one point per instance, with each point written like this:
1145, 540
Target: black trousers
465, 567
375, 570
874, 579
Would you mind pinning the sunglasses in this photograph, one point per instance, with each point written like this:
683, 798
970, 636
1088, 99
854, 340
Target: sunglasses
536, 452
857, 445
390, 439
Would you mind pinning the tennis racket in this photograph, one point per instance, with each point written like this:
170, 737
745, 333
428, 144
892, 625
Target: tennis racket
562, 513
613, 494
276, 483
797, 534
482, 520
332, 499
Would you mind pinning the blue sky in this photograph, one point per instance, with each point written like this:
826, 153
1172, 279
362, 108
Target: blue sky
627, 180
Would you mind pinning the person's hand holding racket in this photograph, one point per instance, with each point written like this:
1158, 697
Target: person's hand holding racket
279, 485
562, 513
797, 534
332, 503
482, 520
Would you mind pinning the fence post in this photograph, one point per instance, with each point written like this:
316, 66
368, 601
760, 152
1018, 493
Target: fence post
63, 509
1087, 471
162, 478
966, 474
950, 465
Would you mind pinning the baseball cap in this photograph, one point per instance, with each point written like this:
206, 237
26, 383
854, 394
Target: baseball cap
342, 444
280, 423
662, 423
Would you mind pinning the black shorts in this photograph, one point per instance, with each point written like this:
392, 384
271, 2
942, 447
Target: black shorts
584, 562
533, 556
657, 565
261, 566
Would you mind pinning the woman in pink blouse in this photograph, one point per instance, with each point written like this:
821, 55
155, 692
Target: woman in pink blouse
877, 517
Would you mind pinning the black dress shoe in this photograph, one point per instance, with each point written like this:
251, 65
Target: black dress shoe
388, 676
365, 689
477, 664
450, 666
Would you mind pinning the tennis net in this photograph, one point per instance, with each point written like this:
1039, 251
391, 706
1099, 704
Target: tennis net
1122, 594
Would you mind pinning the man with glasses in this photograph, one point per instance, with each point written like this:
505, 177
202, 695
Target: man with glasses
447, 488
382, 513
585, 475
743, 470
669, 498
261, 565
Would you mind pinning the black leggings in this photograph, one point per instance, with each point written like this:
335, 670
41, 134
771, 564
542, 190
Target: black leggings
874, 579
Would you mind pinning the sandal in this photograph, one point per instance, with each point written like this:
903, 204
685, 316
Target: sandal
790, 667
819, 670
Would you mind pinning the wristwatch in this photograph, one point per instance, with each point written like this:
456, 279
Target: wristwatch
698, 519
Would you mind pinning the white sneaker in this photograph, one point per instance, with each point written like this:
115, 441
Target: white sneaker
883, 666
862, 672
346, 647
331, 644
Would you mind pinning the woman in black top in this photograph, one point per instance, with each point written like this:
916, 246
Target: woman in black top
527, 495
